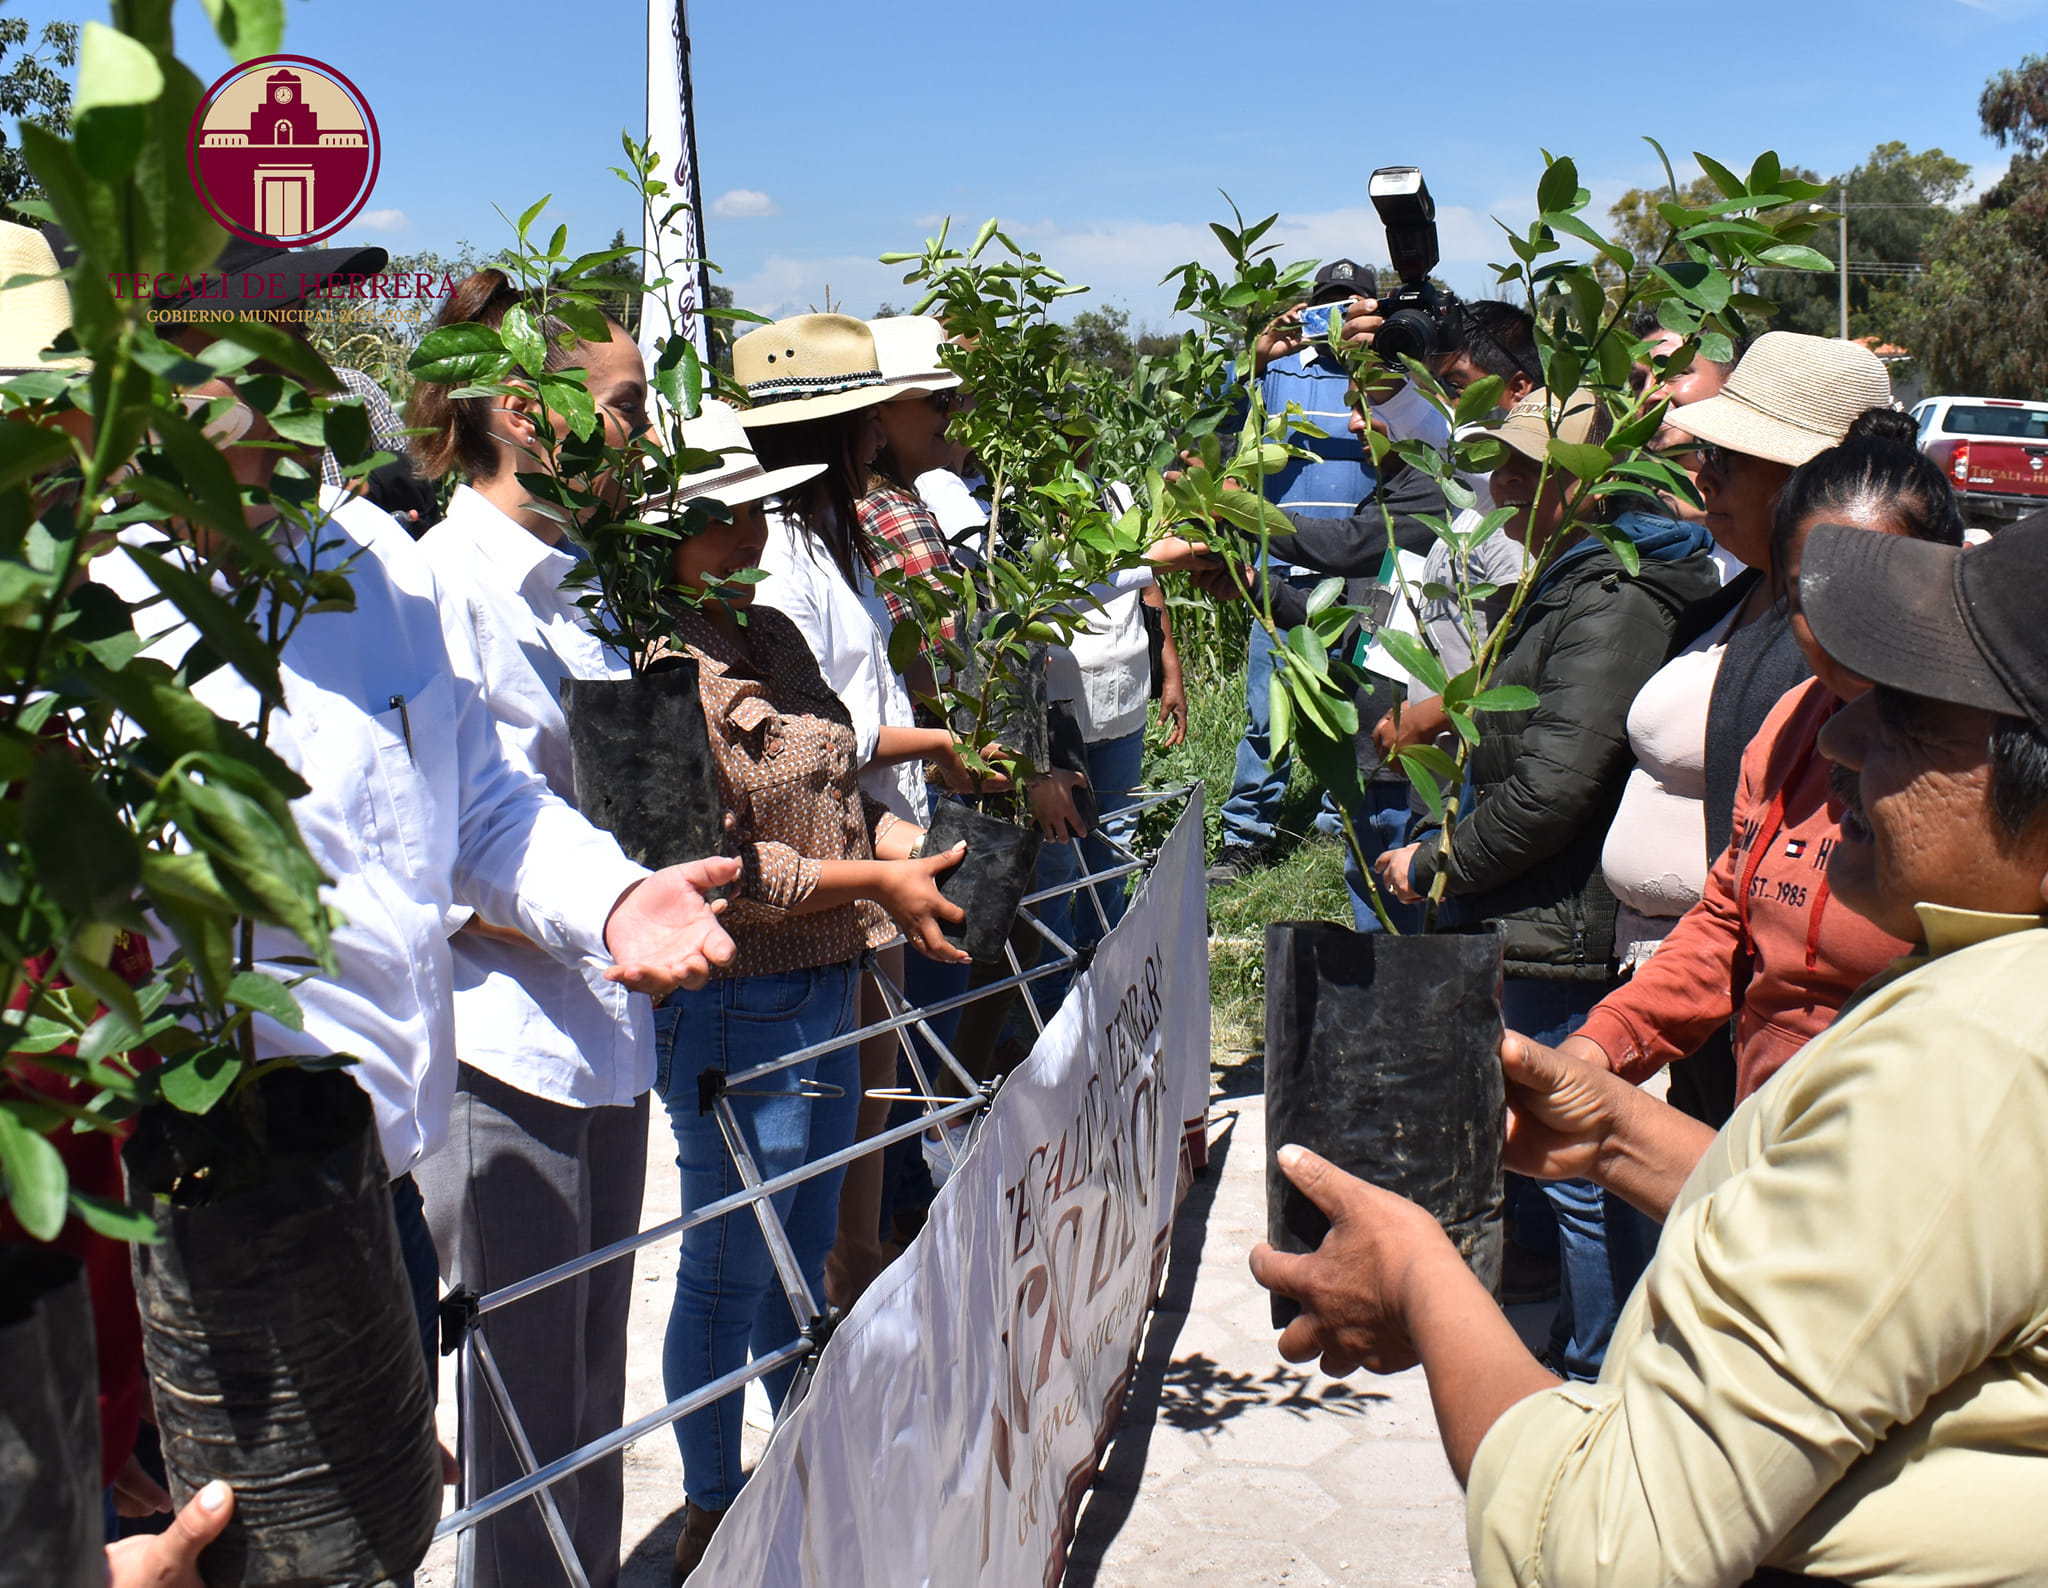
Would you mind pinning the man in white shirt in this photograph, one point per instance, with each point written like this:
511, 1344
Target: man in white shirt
417, 815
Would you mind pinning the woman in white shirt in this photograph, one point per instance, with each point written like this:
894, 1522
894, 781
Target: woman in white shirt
815, 383
547, 1149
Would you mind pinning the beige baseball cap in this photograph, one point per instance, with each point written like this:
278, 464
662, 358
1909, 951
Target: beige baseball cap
1790, 398
1527, 426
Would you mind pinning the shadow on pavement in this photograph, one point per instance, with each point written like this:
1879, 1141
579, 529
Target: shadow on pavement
1197, 1395
1116, 1485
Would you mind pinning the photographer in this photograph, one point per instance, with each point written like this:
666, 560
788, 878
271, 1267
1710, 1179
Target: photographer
1294, 368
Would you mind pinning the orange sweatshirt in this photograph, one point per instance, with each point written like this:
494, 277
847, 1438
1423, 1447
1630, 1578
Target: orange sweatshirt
1765, 943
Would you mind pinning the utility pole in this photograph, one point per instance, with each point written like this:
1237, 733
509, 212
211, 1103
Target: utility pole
1843, 194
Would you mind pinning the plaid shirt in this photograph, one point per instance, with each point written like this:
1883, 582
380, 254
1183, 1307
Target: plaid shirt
904, 538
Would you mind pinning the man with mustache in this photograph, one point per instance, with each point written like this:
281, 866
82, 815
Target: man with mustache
1836, 1367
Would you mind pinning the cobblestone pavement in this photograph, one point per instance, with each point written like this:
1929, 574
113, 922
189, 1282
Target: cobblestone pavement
1230, 1467
1233, 1467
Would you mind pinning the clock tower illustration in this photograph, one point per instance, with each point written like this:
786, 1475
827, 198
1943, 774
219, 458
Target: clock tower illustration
283, 149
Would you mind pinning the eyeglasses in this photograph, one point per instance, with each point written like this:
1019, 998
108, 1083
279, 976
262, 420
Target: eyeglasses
1710, 456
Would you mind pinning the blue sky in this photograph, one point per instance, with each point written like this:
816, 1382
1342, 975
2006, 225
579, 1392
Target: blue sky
832, 130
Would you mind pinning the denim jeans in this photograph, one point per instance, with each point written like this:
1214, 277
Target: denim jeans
906, 1182
1603, 1244
727, 1297
1381, 826
422, 1270
1115, 768
1251, 815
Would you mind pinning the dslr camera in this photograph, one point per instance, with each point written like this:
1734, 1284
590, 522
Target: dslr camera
1423, 321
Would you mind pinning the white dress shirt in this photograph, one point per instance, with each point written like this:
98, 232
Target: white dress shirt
555, 1031
852, 649
413, 810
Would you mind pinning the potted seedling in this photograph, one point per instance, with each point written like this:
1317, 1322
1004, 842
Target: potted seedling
1380, 1049
639, 746
985, 628
274, 1305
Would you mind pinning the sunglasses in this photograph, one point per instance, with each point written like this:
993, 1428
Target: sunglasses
946, 402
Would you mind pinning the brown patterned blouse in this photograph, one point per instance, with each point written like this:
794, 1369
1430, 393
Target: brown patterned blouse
785, 752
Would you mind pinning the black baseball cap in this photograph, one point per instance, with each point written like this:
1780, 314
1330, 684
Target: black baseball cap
1341, 279
243, 275
1964, 624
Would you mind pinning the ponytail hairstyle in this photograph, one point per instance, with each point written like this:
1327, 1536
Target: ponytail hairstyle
828, 506
1877, 470
461, 437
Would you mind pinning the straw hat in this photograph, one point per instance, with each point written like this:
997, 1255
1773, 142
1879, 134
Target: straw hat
31, 316
1527, 427
810, 366
908, 346
1790, 398
739, 476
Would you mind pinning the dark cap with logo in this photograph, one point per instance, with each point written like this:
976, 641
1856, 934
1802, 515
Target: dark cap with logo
1341, 279
1964, 624
262, 275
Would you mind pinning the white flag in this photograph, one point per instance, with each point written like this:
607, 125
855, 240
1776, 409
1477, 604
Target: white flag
672, 136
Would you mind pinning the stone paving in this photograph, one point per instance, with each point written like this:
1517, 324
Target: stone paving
1230, 1466
1234, 1467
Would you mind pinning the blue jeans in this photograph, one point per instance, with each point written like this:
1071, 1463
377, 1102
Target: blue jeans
1115, 768
422, 1271
1603, 1244
1251, 815
906, 1182
727, 1297
1381, 826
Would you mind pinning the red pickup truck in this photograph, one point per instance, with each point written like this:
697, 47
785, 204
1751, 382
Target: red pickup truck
1994, 451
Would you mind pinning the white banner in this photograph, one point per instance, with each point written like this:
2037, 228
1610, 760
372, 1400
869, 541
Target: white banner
960, 1409
672, 136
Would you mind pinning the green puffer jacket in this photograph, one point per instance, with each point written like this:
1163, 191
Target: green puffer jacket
1546, 782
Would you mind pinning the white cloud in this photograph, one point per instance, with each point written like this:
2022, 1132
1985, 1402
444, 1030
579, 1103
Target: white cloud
382, 221
743, 203
850, 283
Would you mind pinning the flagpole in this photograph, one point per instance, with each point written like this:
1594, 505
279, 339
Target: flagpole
672, 137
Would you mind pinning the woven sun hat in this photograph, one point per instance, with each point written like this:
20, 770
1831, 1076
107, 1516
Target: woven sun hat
810, 366
739, 476
908, 347
1527, 427
1790, 398
31, 315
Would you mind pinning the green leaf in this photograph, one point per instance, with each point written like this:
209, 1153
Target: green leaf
522, 339
1280, 715
266, 995
195, 1081
1478, 400
1424, 782
1559, 186
111, 1219
247, 28
85, 857
1585, 459
1415, 658
180, 725
1323, 594
1504, 697
205, 474
114, 69
531, 214
1726, 180
1796, 256
296, 358
36, 1181
29, 450
460, 354
229, 635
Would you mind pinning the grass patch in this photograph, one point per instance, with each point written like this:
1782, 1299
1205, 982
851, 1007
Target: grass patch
1304, 883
